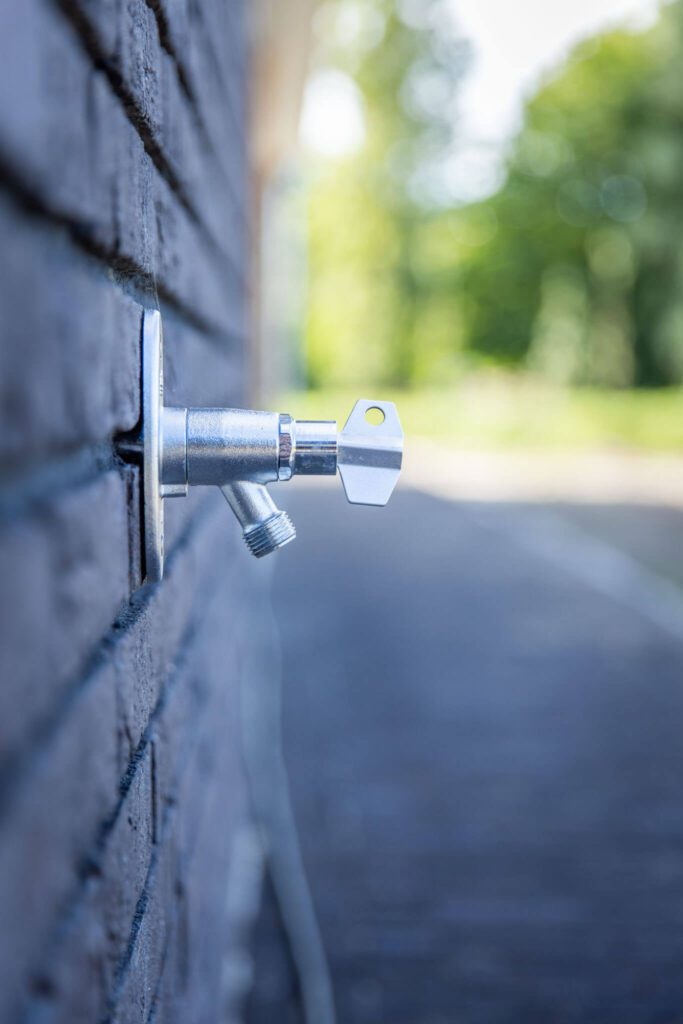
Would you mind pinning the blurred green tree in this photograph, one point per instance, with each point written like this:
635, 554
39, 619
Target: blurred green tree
372, 313
574, 268
582, 277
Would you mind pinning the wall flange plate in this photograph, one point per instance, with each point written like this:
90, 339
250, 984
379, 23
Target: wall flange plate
152, 404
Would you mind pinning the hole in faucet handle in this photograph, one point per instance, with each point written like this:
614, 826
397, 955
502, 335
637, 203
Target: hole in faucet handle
375, 416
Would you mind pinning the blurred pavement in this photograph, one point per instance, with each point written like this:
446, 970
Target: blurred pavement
483, 710
610, 476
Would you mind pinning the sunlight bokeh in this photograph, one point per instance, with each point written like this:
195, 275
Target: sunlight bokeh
485, 202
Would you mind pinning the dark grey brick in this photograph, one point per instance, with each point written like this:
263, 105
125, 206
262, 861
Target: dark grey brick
43, 835
70, 358
55, 110
64, 576
170, 735
211, 43
129, 40
122, 185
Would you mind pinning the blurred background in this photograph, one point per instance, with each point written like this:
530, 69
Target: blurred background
484, 212
483, 705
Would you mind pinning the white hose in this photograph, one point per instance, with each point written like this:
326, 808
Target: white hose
262, 733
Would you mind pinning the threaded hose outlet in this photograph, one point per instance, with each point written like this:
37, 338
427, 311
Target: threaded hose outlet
268, 536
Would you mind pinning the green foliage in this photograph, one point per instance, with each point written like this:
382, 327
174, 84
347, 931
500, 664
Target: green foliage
493, 409
368, 306
573, 269
582, 278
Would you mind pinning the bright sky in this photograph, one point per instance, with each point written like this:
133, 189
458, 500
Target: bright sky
513, 44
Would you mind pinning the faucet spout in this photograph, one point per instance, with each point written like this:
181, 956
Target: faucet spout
265, 527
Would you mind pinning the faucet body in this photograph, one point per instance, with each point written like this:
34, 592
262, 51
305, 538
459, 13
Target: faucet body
219, 446
242, 450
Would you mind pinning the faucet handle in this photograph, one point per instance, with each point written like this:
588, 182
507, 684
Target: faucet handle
370, 452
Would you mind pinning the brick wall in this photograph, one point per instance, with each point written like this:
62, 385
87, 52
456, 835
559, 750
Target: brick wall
122, 801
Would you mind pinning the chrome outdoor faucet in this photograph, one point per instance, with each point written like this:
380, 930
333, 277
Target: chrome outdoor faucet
240, 451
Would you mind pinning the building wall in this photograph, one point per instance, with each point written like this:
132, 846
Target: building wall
122, 798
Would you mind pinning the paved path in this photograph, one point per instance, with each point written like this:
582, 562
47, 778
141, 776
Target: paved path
610, 475
484, 733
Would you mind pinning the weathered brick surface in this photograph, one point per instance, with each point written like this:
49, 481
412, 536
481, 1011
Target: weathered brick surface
63, 580
114, 765
197, 34
122, 185
68, 303
130, 41
142, 851
70, 117
74, 305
